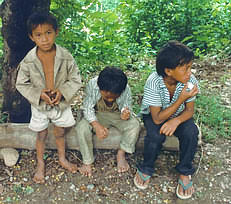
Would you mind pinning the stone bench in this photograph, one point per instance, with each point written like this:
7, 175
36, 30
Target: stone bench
18, 135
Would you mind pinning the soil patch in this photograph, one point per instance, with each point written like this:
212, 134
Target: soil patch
212, 180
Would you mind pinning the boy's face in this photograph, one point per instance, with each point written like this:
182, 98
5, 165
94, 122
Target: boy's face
44, 37
181, 73
109, 96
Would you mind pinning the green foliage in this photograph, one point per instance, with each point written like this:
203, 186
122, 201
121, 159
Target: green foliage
137, 81
214, 118
109, 4
203, 25
94, 37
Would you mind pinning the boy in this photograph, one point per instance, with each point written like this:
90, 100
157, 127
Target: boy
107, 103
48, 78
167, 109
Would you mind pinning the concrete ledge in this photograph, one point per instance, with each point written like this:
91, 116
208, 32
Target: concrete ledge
18, 135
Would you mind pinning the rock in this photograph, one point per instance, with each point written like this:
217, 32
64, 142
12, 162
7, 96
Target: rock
9, 155
90, 186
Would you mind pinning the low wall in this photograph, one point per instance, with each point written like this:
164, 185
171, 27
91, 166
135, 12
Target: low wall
18, 135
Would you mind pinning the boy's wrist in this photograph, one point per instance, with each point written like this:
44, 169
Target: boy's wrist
94, 124
178, 120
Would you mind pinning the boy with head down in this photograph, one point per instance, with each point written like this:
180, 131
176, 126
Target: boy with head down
107, 103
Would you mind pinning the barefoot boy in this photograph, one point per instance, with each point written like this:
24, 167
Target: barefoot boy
48, 78
167, 108
107, 103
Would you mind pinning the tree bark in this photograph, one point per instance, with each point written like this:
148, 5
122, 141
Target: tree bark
14, 14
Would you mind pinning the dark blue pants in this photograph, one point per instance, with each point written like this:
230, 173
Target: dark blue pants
187, 134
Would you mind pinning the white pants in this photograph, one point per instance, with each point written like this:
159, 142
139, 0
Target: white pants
40, 119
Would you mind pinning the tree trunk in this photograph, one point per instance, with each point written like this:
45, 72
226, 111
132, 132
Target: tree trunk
14, 14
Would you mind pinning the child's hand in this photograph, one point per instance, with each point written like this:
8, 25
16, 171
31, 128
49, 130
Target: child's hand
45, 96
169, 127
56, 96
125, 114
188, 94
100, 130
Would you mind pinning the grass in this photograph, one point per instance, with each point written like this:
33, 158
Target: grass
214, 118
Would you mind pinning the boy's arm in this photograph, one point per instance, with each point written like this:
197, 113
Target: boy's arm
25, 87
186, 114
169, 127
159, 115
88, 109
100, 130
72, 84
89, 102
125, 100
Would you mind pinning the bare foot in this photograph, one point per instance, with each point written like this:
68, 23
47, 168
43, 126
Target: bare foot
86, 170
39, 174
69, 166
189, 190
122, 164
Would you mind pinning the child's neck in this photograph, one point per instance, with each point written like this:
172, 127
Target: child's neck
171, 85
169, 81
48, 53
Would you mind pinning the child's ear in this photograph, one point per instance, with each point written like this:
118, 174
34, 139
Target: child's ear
168, 71
57, 32
31, 37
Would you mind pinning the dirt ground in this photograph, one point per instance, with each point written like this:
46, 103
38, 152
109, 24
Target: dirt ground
212, 180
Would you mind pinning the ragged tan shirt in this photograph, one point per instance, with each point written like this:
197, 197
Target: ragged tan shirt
31, 78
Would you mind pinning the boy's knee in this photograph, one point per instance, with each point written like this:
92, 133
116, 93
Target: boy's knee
134, 124
59, 132
192, 133
83, 125
42, 135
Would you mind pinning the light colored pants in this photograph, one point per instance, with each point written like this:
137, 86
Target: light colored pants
40, 119
129, 130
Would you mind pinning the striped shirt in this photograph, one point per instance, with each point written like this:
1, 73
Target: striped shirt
157, 94
93, 95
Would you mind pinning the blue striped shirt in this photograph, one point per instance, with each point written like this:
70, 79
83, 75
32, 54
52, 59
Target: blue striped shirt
157, 94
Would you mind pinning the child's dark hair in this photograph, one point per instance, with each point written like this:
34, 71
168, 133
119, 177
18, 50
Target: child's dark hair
173, 54
112, 79
41, 18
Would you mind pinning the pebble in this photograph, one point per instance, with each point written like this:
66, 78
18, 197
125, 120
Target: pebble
25, 179
72, 187
222, 185
165, 189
